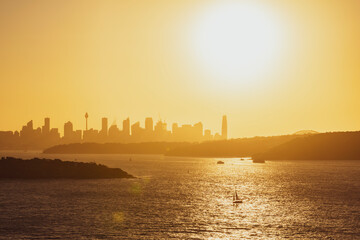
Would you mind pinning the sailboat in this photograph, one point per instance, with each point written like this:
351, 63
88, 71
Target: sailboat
236, 198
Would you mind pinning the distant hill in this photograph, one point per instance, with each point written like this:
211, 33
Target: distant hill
240, 147
305, 132
307, 146
324, 146
116, 148
226, 148
47, 168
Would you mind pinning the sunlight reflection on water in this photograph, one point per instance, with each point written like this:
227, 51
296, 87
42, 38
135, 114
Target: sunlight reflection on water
187, 198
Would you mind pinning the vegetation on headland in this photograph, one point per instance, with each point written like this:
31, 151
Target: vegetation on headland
240, 147
224, 148
116, 148
324, 146
46, 168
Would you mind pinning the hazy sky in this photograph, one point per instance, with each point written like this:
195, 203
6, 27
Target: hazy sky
273, 67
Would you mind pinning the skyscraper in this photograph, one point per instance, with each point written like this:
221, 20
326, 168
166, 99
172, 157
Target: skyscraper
126, 127
136, 129
68, 130
224, 128
160, 130
30, 125
104, 129
198, 131
46, 127
149, 124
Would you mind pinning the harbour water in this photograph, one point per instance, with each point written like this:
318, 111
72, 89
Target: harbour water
186, 198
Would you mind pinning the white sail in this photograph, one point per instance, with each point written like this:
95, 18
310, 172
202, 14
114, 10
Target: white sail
236, 198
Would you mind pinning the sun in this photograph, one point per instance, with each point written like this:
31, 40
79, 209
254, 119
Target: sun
236, 42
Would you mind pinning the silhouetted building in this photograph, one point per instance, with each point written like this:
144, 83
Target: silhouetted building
126, 127
40, 138
198, 131
29, 125
104, 127
160, 128
77, 136
91, 135
8, 139
68, 130
27, 133
161, 133
54, 136
137, 133
71, 136
224, 127
207, 135
149, 124
114, 133
187, 132
46, 127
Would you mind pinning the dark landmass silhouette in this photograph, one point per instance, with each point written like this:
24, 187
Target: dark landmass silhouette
242, 147
324, 146
46, 168
225, 148
116, 148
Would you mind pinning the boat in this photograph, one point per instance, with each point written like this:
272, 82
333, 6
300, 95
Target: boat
220, 162
236, 198
258, 161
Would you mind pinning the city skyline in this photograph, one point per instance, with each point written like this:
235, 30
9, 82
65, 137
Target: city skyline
130, 132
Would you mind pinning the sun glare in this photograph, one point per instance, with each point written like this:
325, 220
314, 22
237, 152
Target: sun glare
237, 42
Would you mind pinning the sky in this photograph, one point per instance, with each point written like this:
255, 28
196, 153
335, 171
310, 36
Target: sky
272, 66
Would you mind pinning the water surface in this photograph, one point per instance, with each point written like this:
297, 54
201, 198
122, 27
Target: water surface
186, 198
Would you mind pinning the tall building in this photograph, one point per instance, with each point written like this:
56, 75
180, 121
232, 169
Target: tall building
149, 124
54, 134
27, 132
77, 136
126, 127
46, 128
114, 133
160, 131
68, 130
104, 129
136, 130
91, 135
198, 131
224, 128
29, 125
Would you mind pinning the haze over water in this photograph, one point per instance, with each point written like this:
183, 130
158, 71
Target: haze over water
186, 198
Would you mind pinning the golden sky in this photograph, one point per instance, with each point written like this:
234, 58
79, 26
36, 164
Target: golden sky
272, 66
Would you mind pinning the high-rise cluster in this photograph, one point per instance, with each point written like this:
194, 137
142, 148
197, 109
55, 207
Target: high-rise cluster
30, 138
